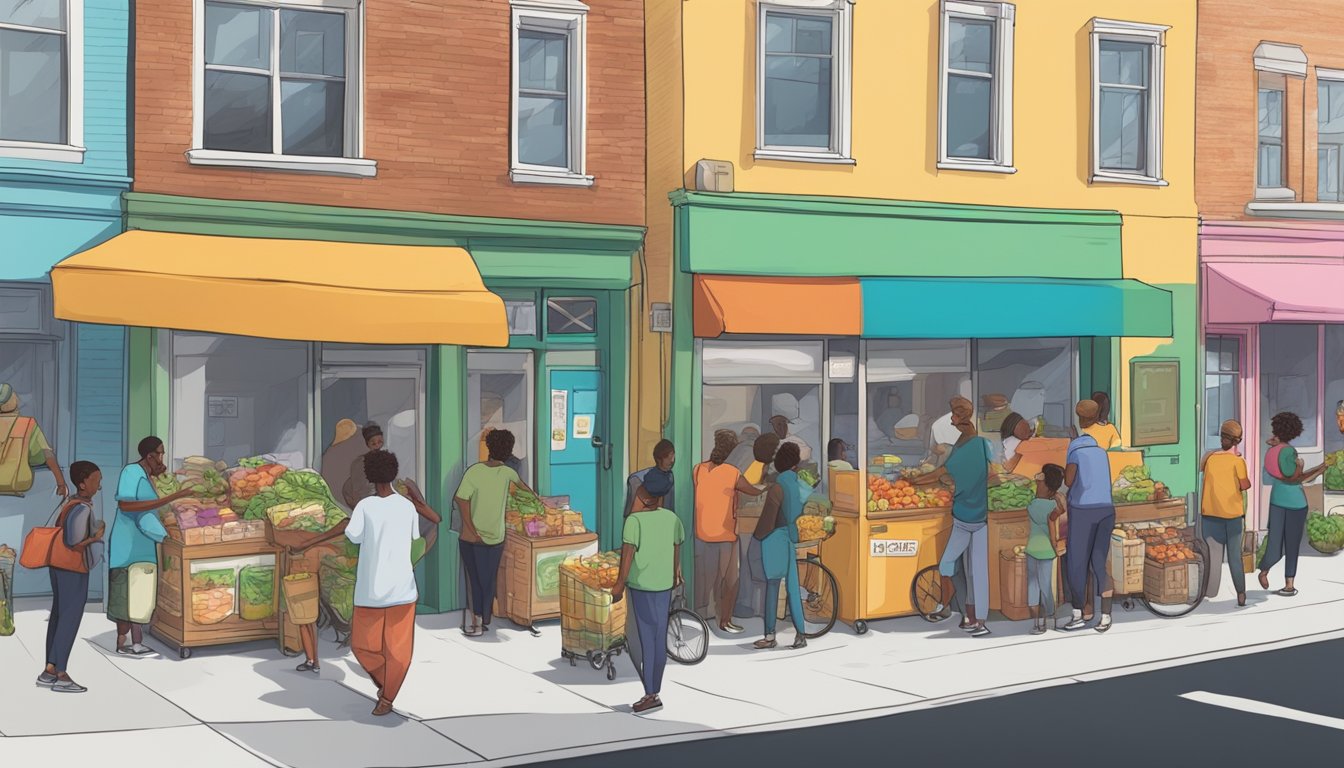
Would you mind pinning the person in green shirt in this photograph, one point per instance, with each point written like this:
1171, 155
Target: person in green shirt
481, 497
651, 569
1045, 509
1287, 501
38, 450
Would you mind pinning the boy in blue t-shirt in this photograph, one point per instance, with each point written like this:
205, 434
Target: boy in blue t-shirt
1045, 509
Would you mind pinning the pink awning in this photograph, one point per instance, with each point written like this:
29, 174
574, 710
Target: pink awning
1283, 292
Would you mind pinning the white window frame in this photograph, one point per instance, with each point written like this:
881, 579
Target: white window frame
1003, 16
353, 164
841, 13
73, 150
1273, 81
570, 18
1154, 36
1330, 76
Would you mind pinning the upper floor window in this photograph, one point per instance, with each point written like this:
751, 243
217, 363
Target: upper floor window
549, 92
1127, 79
803, 80
1330, 135
277, 85
1270, 119
41, 79
976, 104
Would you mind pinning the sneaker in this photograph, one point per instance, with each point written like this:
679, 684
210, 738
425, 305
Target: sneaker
764, 644
799, 642
646, 705
966, 626
980, 630
1075, 624
46, 679
1104, 624
732, 628
139, 649
309, 667
1038, 629
68, 686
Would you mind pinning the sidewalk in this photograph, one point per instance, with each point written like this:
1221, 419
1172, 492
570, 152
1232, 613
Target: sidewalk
510, 699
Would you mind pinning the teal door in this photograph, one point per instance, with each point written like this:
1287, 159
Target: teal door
577, 452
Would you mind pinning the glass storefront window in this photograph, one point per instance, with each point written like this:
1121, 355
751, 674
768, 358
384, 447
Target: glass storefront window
1222, 380
382, 386
1334, 388
1032, 377
843, 372
235, 396
500, 396
909, 386
30, 368
1289, 376
749, 383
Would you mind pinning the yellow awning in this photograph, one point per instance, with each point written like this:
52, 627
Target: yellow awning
306, 290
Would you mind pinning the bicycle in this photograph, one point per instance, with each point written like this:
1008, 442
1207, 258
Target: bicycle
820, 593
687, 632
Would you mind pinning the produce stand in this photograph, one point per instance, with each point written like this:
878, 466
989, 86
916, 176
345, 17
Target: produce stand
529, 579
201, 600
876, 554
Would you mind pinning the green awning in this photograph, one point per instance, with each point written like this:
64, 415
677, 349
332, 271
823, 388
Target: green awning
1012, 308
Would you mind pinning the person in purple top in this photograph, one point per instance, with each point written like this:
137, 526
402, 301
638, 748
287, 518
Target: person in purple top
1091, 518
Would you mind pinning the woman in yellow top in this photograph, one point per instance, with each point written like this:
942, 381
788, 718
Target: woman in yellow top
1223, 508
1104, 432
764, 452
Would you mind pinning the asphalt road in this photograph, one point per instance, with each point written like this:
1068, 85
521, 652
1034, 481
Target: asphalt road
1128, 721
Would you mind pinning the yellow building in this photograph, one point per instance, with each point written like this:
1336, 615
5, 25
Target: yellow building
860, 208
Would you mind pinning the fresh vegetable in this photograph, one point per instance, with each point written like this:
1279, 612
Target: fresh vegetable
1334, 471
252, 462
336, 581
211, 606
884, 494
296, 486
1012, 492
205, 478
599, 571
246, 482
1135, 485
256, 585
1325, 533
809, 477
220, 577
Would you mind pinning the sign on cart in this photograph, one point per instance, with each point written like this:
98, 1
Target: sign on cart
893, 548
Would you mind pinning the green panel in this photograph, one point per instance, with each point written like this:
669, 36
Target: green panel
1177, 464
753, 234
555, 267
148, 388
1095, 369
440, 571
684, 396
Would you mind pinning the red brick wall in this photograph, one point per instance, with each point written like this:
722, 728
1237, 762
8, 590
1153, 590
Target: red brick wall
436, 116
1225, 100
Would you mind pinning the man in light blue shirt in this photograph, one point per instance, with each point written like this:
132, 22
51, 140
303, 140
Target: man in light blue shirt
1091, 518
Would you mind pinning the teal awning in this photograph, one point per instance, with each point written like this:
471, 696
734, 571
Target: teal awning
1012, 308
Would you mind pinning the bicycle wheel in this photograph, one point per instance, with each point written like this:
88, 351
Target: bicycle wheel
926, 592
1176, 610
687, 637
820, 596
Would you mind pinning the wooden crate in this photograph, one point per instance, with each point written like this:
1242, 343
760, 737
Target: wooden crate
516, 593
1127, 564
1013, 583
1169, 583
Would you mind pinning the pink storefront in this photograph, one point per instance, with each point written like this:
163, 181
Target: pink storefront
1273, 311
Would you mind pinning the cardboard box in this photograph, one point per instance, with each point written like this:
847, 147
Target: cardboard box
1126, 564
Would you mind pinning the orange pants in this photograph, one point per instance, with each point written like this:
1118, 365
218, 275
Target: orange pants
383, 639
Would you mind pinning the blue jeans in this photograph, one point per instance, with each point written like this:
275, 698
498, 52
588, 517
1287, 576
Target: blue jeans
1089, 547
69, 593
793, 595
1223, 538
1285, 538
651, 609
482, 565
971, 541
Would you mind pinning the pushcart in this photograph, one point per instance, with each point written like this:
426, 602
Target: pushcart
592, 624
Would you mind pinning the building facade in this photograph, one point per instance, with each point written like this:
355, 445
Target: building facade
1270, 129
63, 168
1011, 220
427, 216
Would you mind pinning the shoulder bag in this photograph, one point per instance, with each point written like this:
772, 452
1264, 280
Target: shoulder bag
44, 547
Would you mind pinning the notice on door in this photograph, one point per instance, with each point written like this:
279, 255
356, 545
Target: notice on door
893, 548
583, 426
559, 418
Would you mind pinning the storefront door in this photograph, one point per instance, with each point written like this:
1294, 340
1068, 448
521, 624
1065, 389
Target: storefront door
390, 394
578, 450
499, 396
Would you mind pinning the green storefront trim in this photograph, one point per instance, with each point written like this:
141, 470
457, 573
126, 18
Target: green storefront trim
808, 236
517, 259
812, 236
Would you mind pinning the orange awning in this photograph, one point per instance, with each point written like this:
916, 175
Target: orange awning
814, 306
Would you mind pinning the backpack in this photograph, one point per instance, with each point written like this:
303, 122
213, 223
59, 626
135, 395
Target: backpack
1272, 465
16, 476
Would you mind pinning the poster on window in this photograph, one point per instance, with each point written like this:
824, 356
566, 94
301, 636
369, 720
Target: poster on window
559, 418
1156, 407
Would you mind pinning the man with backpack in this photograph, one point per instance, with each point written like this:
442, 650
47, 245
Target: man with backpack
22, 447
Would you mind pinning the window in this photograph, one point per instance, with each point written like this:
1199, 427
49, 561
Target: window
977, 88
42, 80
1290, 377
1222, 383
1127, 76
1036, 378
803, 80
549, 92
1269, 156
236, 396
747, 383
910, 384
522, 317
500, 396
1329, 136
277, 86
1334, 395
571, 316
383, 386
30, 368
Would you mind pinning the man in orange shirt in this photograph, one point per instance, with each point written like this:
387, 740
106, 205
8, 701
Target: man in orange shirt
1224, 509
717, 484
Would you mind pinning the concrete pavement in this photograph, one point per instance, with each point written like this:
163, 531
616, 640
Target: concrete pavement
510, 698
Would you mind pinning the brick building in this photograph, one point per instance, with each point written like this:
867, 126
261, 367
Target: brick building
1269, 155
427, 215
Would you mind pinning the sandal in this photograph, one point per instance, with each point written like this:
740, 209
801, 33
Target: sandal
764, 644
1287, 592
473, 632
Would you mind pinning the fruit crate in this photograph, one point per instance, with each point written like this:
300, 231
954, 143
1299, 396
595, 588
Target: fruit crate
1127, 564
1170, 583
